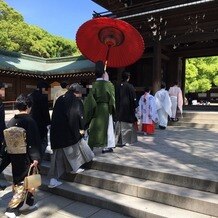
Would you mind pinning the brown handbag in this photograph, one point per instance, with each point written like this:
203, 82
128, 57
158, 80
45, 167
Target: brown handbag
33, 181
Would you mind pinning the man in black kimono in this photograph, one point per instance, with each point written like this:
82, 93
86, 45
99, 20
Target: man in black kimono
40, 112
126, 105
70, 151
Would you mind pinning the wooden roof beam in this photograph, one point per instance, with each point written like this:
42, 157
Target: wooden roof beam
195, 37
195, 53
163, 7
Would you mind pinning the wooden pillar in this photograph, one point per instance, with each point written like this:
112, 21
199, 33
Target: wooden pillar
174, 69
156, 68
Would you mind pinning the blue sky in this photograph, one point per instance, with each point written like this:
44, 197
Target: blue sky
58, 17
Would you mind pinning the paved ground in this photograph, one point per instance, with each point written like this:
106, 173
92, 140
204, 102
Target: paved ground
178, 150
54, 206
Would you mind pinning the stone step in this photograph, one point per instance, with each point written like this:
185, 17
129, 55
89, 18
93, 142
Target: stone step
193, 182
200, 108
112, 177
200, 119
201, 115
209, 116
195, 124
189, 199
124, 204
118, 202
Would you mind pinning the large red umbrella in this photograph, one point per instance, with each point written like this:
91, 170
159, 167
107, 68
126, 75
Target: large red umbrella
113, 41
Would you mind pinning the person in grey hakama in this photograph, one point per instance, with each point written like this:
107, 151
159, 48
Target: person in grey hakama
126, 105
70, 150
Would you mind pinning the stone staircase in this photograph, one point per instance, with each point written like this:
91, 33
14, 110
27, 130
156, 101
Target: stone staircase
170, 174
139, 192
198, 119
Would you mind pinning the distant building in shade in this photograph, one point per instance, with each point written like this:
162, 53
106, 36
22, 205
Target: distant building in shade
21, 72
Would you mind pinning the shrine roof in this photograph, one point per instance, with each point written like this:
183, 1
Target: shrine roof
14, 61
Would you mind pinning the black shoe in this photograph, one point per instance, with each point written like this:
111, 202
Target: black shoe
107, 150
30, 199
177, 119
162, 127
2, 187
120, 146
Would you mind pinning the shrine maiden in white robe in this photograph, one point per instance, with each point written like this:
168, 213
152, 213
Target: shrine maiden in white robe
147, 109
163, 104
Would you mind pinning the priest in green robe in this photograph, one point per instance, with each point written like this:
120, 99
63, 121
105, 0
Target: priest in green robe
99, 106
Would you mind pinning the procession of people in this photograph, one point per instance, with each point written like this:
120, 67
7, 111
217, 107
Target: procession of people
107, 117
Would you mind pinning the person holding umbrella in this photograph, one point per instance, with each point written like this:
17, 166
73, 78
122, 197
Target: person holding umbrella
111, 40
99, 106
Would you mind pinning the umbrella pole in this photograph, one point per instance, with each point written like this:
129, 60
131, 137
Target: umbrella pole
105, 66
107, 55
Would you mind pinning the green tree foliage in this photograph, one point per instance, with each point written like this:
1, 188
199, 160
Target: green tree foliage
201, 74
16, 35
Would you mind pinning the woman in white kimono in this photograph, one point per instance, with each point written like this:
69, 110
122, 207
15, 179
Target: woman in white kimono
148, 112
177, 100
163, 103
